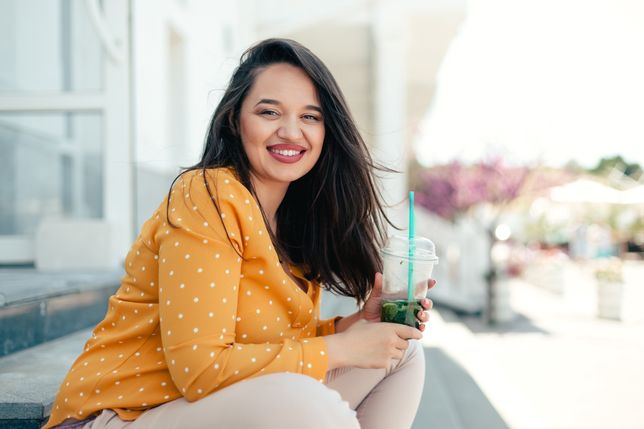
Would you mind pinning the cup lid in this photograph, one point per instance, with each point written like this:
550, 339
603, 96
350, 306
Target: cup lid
398, 246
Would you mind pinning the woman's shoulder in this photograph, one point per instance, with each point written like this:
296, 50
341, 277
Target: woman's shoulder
221, 184
200, 197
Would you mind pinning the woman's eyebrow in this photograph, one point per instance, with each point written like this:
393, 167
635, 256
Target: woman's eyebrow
277, 103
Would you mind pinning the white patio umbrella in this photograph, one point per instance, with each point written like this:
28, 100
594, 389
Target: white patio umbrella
633, 195
586, 191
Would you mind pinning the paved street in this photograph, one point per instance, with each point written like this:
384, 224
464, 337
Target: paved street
553, 367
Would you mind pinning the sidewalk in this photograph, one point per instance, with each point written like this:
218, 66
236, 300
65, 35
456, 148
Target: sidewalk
553, 367
550, 368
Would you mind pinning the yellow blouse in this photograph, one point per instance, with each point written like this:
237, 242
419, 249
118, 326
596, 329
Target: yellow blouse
192, 316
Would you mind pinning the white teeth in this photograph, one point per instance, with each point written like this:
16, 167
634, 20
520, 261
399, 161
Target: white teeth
285, 152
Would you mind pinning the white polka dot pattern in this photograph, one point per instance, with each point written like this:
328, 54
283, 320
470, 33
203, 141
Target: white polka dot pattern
192, 316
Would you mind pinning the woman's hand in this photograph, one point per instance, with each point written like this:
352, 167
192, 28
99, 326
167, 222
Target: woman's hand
369, 345
372, 307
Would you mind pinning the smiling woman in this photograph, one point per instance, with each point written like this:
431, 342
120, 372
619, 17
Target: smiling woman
223, 284
282, 130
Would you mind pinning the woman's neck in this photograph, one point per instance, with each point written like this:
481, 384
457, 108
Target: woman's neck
270, 196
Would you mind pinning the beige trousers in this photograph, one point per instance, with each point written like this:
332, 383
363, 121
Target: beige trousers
352, 398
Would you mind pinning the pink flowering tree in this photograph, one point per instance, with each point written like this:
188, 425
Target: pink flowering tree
453, 190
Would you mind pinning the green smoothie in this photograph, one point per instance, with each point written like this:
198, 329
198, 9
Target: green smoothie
395, 311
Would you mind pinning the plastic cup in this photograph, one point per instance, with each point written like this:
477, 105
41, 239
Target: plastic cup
396, 260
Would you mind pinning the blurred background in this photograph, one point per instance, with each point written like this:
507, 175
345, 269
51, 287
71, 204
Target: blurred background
517, 123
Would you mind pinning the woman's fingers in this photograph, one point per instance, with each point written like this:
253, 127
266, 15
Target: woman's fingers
431, 283
426, 303
398, 354
406, 332
402, 344
423, 316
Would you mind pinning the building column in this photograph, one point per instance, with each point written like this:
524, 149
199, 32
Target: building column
119, 192
389, 100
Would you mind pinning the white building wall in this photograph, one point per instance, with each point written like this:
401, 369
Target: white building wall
184, 54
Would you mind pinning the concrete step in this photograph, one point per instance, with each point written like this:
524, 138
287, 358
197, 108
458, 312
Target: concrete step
36, 307
31, 378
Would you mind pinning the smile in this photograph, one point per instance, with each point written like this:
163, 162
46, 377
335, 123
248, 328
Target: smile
286, 153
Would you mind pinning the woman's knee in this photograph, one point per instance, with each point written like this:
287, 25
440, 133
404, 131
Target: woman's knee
321, 403
308, 400
414, 356
415, 351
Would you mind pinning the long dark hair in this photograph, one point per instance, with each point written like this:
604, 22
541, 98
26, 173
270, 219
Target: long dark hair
332, 220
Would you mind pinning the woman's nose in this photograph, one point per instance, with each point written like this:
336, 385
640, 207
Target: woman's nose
289, 130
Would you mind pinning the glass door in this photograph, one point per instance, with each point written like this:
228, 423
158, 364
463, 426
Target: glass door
64, 118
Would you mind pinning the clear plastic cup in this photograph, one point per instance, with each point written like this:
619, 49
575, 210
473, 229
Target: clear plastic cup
396, 259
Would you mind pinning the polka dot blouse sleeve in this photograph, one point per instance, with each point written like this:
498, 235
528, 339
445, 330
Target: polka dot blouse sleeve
216, 281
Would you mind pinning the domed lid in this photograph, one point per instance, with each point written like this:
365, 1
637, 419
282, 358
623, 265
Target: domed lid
398, 246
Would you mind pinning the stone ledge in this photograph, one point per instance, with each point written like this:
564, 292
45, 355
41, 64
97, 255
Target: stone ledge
19, 286
40, 307
31, 378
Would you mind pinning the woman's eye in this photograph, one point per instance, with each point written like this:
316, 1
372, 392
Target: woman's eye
268, 113
311, 117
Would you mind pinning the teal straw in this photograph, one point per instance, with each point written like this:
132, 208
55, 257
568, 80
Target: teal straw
412, 250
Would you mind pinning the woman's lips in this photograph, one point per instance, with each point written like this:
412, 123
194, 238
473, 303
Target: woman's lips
286, 153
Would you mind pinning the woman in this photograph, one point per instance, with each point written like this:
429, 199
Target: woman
216, 323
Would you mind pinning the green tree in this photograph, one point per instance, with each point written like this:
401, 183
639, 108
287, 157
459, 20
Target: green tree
607, 164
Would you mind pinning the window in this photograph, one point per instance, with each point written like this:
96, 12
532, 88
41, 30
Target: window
64, 114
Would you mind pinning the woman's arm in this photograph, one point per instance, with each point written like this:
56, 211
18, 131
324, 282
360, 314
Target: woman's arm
344, 323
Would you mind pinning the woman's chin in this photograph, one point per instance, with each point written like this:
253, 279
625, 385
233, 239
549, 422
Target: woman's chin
287, 173
287, 177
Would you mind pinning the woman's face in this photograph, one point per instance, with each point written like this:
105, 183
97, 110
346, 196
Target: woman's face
281, 123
